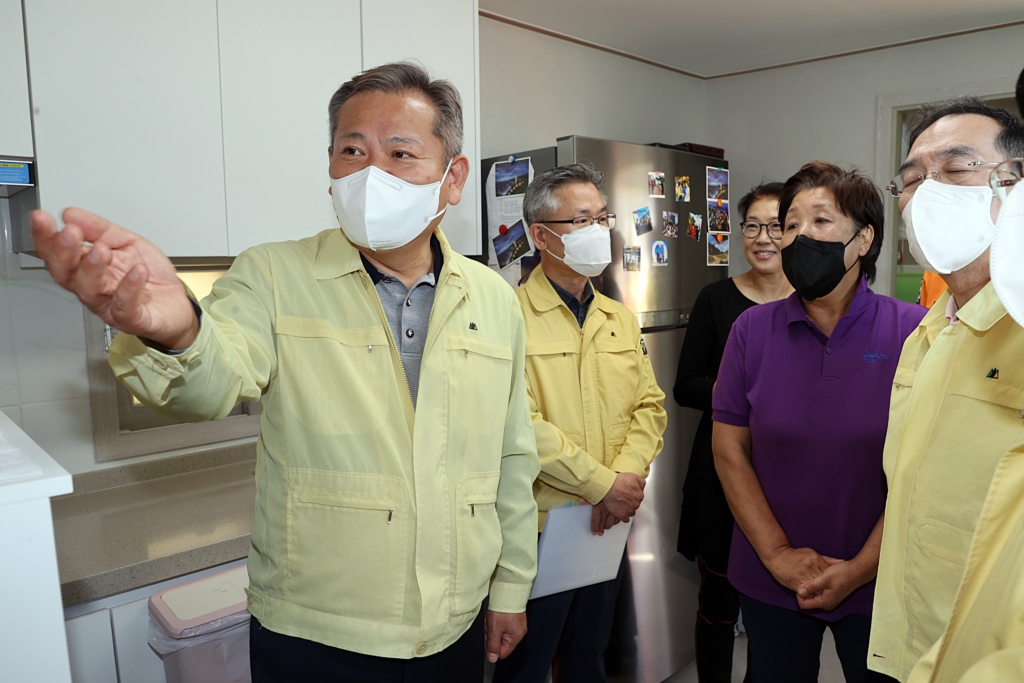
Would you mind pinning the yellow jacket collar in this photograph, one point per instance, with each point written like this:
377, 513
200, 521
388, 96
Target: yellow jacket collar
983, 310
543, 296
337, 256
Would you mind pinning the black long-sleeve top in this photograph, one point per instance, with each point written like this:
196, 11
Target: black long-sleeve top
705, 524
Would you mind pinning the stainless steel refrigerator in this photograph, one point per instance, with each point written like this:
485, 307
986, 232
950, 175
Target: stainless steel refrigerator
658, 267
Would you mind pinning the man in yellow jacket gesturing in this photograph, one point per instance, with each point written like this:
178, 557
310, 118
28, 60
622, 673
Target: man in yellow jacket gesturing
597, 410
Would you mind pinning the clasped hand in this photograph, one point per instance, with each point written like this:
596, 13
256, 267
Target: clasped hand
819, 581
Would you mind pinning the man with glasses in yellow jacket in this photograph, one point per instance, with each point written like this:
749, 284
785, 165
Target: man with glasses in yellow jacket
958, 392
597, 410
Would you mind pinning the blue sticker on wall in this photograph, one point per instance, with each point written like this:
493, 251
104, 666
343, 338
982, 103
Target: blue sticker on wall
14, 173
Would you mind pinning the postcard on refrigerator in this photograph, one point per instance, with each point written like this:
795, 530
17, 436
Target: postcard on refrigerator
718, 215
659, 253
682, 188
631, 259
693, 225
718, 183
669, 224
642, 221
656, 184
718, 248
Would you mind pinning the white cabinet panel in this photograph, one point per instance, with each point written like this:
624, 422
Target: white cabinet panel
442, 35
136, 661
91, 648
126, 99
280, 64
15, 119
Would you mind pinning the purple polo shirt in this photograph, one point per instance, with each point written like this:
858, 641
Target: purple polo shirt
817, 408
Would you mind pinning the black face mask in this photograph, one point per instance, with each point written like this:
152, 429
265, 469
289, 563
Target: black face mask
814, 267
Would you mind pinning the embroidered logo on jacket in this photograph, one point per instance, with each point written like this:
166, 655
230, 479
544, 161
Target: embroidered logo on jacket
993, 373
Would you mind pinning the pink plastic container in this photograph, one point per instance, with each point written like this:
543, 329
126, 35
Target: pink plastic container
201, 629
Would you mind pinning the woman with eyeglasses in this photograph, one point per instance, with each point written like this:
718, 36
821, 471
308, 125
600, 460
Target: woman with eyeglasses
705, 525
801, 408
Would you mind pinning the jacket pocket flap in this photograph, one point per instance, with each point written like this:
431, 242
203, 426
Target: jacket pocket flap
904, 377
316, 328
612, 344
483, 347
944, 541
478, 488
551, 348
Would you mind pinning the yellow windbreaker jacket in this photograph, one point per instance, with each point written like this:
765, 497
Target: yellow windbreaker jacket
597, 409
984, 640
377, 529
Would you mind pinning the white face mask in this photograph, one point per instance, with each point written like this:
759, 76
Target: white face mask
588, 250
377, 211
948, 226
1008, 253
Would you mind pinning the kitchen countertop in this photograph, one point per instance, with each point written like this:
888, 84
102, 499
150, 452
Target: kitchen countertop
133, 526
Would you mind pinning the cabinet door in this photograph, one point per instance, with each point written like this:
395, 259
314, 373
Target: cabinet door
15, 120
91, 648
280, 64
442, 35
136, 661
126, 99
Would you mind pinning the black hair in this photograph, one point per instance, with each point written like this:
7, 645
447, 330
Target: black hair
1010, 140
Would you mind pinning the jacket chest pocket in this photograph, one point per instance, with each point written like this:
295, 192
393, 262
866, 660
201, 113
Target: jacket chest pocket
618, 370
478, 541
479, 381
317, 357
347, 553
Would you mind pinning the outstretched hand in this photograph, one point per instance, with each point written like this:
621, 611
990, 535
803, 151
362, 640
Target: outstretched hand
121, 277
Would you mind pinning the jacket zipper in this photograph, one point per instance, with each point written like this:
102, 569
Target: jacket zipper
394, 344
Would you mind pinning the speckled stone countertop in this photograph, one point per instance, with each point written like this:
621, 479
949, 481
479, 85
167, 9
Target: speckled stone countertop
132, 526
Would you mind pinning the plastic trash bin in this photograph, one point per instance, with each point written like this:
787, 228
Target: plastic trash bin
200, 629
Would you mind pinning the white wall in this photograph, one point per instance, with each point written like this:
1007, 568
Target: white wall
534, 89
772, 122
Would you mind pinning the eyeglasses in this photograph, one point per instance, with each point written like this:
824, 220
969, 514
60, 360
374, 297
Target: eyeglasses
953, 172
752, 229
1006, 175
605, 220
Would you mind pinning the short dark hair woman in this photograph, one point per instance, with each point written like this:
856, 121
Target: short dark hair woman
705, 525
800, 413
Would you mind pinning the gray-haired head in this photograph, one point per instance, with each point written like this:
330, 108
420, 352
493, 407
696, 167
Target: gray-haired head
403, 77
540, 202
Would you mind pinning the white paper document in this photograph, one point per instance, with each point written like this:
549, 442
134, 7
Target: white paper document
569, 555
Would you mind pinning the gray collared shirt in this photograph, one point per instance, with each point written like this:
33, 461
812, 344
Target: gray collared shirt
408, 312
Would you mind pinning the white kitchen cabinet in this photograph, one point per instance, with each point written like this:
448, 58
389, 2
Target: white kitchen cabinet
15, 120
91, 648
126, 99
136, 661
443, 36
280, 64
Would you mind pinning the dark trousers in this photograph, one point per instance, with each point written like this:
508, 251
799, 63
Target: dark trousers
575, 625
718, 608
785, 645
277, 658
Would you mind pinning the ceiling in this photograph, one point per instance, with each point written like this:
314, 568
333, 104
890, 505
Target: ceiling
722, 37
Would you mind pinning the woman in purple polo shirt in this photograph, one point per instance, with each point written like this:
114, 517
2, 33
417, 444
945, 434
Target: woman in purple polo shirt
800, 412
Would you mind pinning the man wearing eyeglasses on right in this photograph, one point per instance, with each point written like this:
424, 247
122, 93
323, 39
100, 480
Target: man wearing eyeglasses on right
958, 395
597, 411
